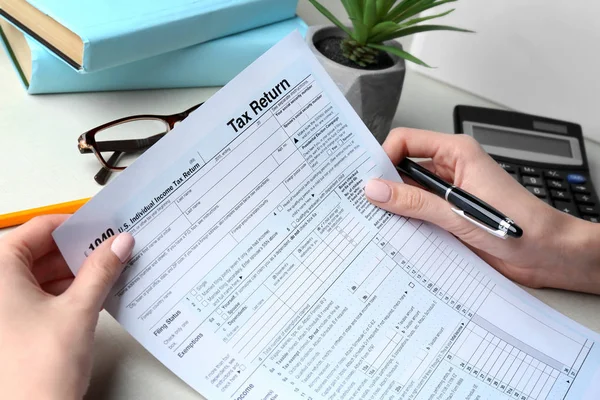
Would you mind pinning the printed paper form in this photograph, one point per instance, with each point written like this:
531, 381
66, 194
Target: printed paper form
260, 271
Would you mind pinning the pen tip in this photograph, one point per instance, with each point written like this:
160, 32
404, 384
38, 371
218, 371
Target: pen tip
515, 231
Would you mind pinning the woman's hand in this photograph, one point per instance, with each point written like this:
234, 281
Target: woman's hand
47, 317
556, 250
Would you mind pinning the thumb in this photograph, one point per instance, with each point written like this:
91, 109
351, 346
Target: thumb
100, 272
413, 202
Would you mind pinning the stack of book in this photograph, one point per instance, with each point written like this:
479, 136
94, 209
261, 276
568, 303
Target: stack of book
60, 46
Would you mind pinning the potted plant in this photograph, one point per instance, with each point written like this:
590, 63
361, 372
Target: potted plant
364, 59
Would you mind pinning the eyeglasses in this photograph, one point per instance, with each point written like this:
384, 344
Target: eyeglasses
118, 143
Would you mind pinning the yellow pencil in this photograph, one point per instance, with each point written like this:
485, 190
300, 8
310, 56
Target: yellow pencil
20, 217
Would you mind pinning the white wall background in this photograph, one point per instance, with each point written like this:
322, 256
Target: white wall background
307, 11
535, 56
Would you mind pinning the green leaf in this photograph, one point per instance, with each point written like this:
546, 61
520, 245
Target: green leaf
361, 33
399, 52
347, 7
384, 27
370, 13
383, 7
402, 7
426, 28
419, 8
416, 29
356, 7
418, 20
330, 16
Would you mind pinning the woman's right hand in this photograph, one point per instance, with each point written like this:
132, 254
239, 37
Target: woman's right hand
556, 250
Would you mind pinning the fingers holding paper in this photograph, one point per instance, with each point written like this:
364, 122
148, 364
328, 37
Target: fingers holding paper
453, 158
413, 202
32, 241
33, 261
47, 346
100, 272
541, 258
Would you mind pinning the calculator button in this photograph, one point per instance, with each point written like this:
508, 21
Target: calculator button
576, 178
584, 198
538, 191
591, 219
514, 176
591, 210
560, 195
531, 180
530, 171
553, 174
556, 185
581, 189
566, 207
507, 167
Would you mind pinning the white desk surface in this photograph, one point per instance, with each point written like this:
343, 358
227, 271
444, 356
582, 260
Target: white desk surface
40, 165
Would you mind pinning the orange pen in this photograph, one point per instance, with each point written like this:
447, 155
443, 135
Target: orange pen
20, 217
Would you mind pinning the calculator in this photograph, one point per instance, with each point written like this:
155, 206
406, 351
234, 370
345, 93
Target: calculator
545, 155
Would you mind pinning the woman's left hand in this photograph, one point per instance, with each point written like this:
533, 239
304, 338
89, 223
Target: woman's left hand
48, 317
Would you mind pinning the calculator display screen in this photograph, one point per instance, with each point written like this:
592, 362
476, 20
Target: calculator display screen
519, 141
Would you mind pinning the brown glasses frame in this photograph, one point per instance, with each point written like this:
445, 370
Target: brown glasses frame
87, 143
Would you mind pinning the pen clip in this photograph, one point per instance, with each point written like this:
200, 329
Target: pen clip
502, 234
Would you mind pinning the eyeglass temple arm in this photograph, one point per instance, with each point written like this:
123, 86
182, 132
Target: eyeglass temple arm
132, 145
102, 176
129, 145
190, 110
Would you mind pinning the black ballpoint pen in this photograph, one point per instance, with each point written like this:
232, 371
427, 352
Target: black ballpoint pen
467, 206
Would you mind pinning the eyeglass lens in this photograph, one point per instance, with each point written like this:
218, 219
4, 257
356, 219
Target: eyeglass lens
130, 138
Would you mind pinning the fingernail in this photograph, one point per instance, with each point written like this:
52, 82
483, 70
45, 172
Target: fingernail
378, 191
122, 246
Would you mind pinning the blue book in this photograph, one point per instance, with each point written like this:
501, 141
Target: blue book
91, 35
212, 63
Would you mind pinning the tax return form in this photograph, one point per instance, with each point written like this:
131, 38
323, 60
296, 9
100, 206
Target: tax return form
260, 271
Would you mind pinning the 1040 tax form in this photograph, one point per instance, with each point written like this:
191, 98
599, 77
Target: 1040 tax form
260, 271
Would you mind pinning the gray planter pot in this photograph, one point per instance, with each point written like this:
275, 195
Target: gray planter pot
374, 95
